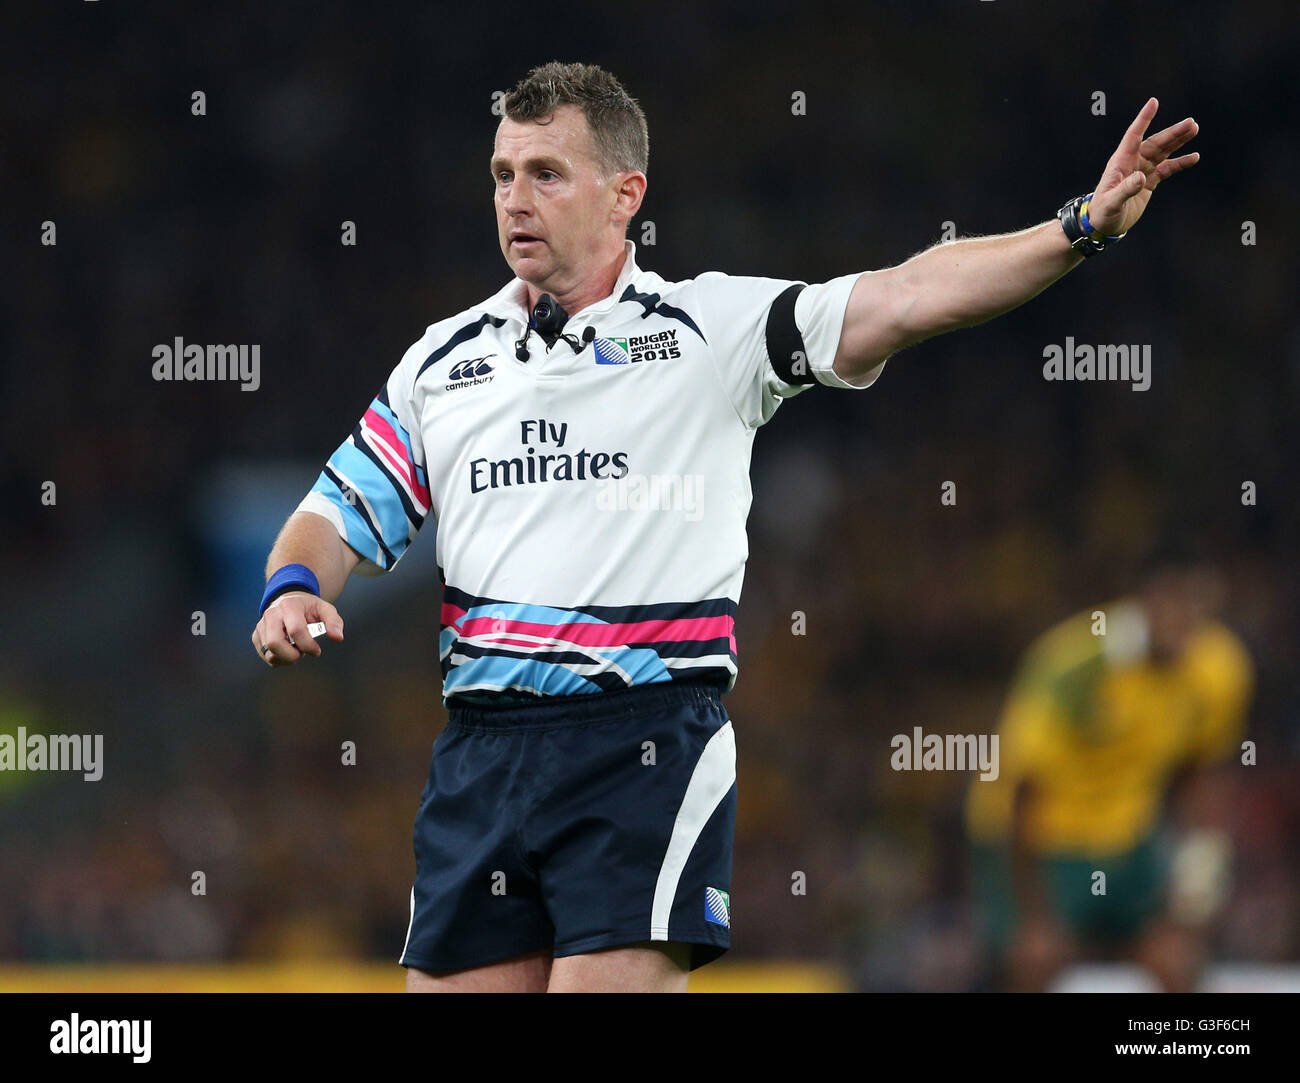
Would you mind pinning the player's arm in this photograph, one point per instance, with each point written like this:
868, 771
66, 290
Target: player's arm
306, 541
362, 514
1027, 886
1038, 708
1202, 792
311, 539
1219, 675
966, 282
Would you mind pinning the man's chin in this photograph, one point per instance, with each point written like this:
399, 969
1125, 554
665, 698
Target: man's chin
532, 270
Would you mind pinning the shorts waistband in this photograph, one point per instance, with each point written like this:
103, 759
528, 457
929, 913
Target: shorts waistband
556, 711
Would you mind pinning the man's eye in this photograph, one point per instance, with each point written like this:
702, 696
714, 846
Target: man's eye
503, 177
546, 174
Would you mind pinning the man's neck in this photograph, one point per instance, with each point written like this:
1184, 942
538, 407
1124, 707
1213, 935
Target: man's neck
596, 287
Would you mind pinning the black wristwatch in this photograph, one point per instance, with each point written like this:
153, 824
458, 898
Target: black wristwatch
1085, 243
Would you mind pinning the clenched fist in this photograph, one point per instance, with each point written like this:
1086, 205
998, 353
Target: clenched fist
281, 637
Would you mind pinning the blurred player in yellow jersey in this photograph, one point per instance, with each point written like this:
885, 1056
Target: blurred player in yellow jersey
1117, 745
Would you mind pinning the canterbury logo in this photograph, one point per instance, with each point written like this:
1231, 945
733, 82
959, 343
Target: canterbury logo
466, 370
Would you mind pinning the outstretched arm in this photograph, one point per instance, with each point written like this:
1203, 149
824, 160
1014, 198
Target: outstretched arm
965, 282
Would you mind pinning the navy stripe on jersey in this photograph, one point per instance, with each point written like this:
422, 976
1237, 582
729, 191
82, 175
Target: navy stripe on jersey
652, 305
712, 607
604, 680
413, 514
488, 645
469, 331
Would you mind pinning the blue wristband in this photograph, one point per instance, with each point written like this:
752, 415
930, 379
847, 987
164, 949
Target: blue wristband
1085, 223
290, 577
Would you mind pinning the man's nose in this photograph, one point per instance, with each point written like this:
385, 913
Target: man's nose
518, 200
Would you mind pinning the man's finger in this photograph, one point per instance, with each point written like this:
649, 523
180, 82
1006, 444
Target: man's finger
1118, 184
1167, 169
1158, 147
277, 640
295, 629
264, 651
1132, 141
331, 624
259, 642
281, 653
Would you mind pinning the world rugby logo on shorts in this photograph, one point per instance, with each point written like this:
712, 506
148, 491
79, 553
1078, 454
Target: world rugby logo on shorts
717, 907
474, 370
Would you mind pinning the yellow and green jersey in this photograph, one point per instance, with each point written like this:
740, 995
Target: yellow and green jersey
1099, 729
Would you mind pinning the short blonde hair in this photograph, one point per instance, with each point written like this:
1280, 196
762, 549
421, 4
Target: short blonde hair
616, 121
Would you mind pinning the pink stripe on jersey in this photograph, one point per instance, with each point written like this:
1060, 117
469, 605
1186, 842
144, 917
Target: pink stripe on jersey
393, 450
588, 634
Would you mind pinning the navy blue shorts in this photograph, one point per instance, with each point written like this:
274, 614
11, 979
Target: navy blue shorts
585, 823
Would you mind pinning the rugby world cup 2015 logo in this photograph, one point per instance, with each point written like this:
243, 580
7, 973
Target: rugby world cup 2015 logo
717, 907
612, 351
653, 346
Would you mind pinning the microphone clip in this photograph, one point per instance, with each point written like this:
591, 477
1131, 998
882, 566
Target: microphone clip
548, 320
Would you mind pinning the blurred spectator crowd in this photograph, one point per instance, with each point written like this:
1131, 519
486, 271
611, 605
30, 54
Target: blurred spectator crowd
225, 228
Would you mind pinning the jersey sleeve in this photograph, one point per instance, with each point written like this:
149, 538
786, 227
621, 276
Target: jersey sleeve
374, 489
773, 338
1221, 671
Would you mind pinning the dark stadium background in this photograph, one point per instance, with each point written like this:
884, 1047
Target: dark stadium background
225, 228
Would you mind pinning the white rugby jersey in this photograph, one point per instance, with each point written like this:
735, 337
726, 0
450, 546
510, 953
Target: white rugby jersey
590, 503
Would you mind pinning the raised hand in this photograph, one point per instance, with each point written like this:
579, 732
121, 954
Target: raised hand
1134, 170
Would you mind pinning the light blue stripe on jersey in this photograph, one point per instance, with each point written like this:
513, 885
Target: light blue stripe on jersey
537, 614
359, 535
527, 674
643, 665
380, 491
640, 663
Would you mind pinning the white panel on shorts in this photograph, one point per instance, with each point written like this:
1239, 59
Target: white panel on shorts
713, 776
409, 924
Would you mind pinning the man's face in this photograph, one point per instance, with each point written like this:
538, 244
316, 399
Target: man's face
554, 209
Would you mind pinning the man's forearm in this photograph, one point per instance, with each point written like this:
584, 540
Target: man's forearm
965, 282
312, 540
962, 283
952, 285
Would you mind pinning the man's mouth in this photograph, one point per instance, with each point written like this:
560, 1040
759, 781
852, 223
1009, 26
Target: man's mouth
524, 239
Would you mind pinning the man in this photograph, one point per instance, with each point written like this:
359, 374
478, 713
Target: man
583, 438
1112, 744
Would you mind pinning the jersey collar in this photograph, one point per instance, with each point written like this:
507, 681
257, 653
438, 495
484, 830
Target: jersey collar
510, 301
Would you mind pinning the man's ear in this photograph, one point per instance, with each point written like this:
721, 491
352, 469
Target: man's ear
629, 188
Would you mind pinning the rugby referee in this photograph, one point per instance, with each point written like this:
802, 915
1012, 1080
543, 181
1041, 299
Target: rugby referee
575, 833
